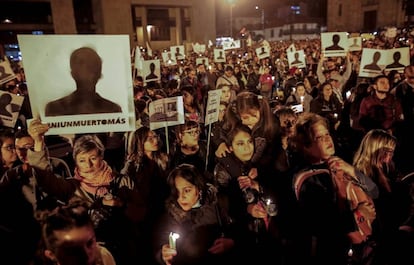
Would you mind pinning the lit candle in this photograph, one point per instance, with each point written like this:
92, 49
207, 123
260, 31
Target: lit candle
268, 201
172, 239
271, 207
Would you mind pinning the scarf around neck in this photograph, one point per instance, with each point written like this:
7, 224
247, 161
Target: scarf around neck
96, 183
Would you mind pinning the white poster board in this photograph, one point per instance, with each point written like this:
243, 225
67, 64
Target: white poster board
6, 72
46, 60
397, 59
296, 59
212, 108
202, 60
151, 71
168, 58
219, 56
10, 105
231, 44
334, 43
263, 52
355, 44
199, 48
178, 52
166, 112
373, 61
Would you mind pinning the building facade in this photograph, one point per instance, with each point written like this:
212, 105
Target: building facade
365, 15
162, 23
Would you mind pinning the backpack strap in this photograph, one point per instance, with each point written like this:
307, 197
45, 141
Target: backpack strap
302, 176
352, 195
225, 78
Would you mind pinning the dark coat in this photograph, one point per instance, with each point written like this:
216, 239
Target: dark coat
198, 229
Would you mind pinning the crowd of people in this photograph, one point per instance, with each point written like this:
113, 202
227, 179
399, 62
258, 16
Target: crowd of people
230, 192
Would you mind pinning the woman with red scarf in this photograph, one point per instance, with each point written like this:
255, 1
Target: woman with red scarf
99, 186
96, 184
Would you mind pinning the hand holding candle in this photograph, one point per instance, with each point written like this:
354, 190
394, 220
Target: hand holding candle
172, 240
271, 207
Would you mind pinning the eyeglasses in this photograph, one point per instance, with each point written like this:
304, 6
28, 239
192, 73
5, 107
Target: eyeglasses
192, 132
9, 148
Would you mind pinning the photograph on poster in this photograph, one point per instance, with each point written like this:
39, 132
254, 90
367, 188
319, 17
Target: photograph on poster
334, 43
202, 60
297, 59
10, 105
262, 52
79, 83
178, 52
219, 56
372, 62
355, 44
168, 58
6, 72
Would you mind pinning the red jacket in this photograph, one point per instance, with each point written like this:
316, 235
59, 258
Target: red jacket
380, 113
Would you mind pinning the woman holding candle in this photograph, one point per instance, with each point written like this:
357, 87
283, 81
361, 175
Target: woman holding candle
192, 214
251, 205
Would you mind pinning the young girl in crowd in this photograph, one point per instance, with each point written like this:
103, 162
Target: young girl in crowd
68, 238
327, 105
189, 148
144, 188
374, 159
323, 222
253, 111
192, 110
245, 199
205, 236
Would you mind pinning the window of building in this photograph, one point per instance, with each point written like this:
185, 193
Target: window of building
159, 22
83, 16
295, 9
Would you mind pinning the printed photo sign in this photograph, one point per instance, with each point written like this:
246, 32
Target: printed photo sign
10, 105
334, 43
79, 83
219, 56
151, 70
212, 108
166, 112
6, 72
296, 59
